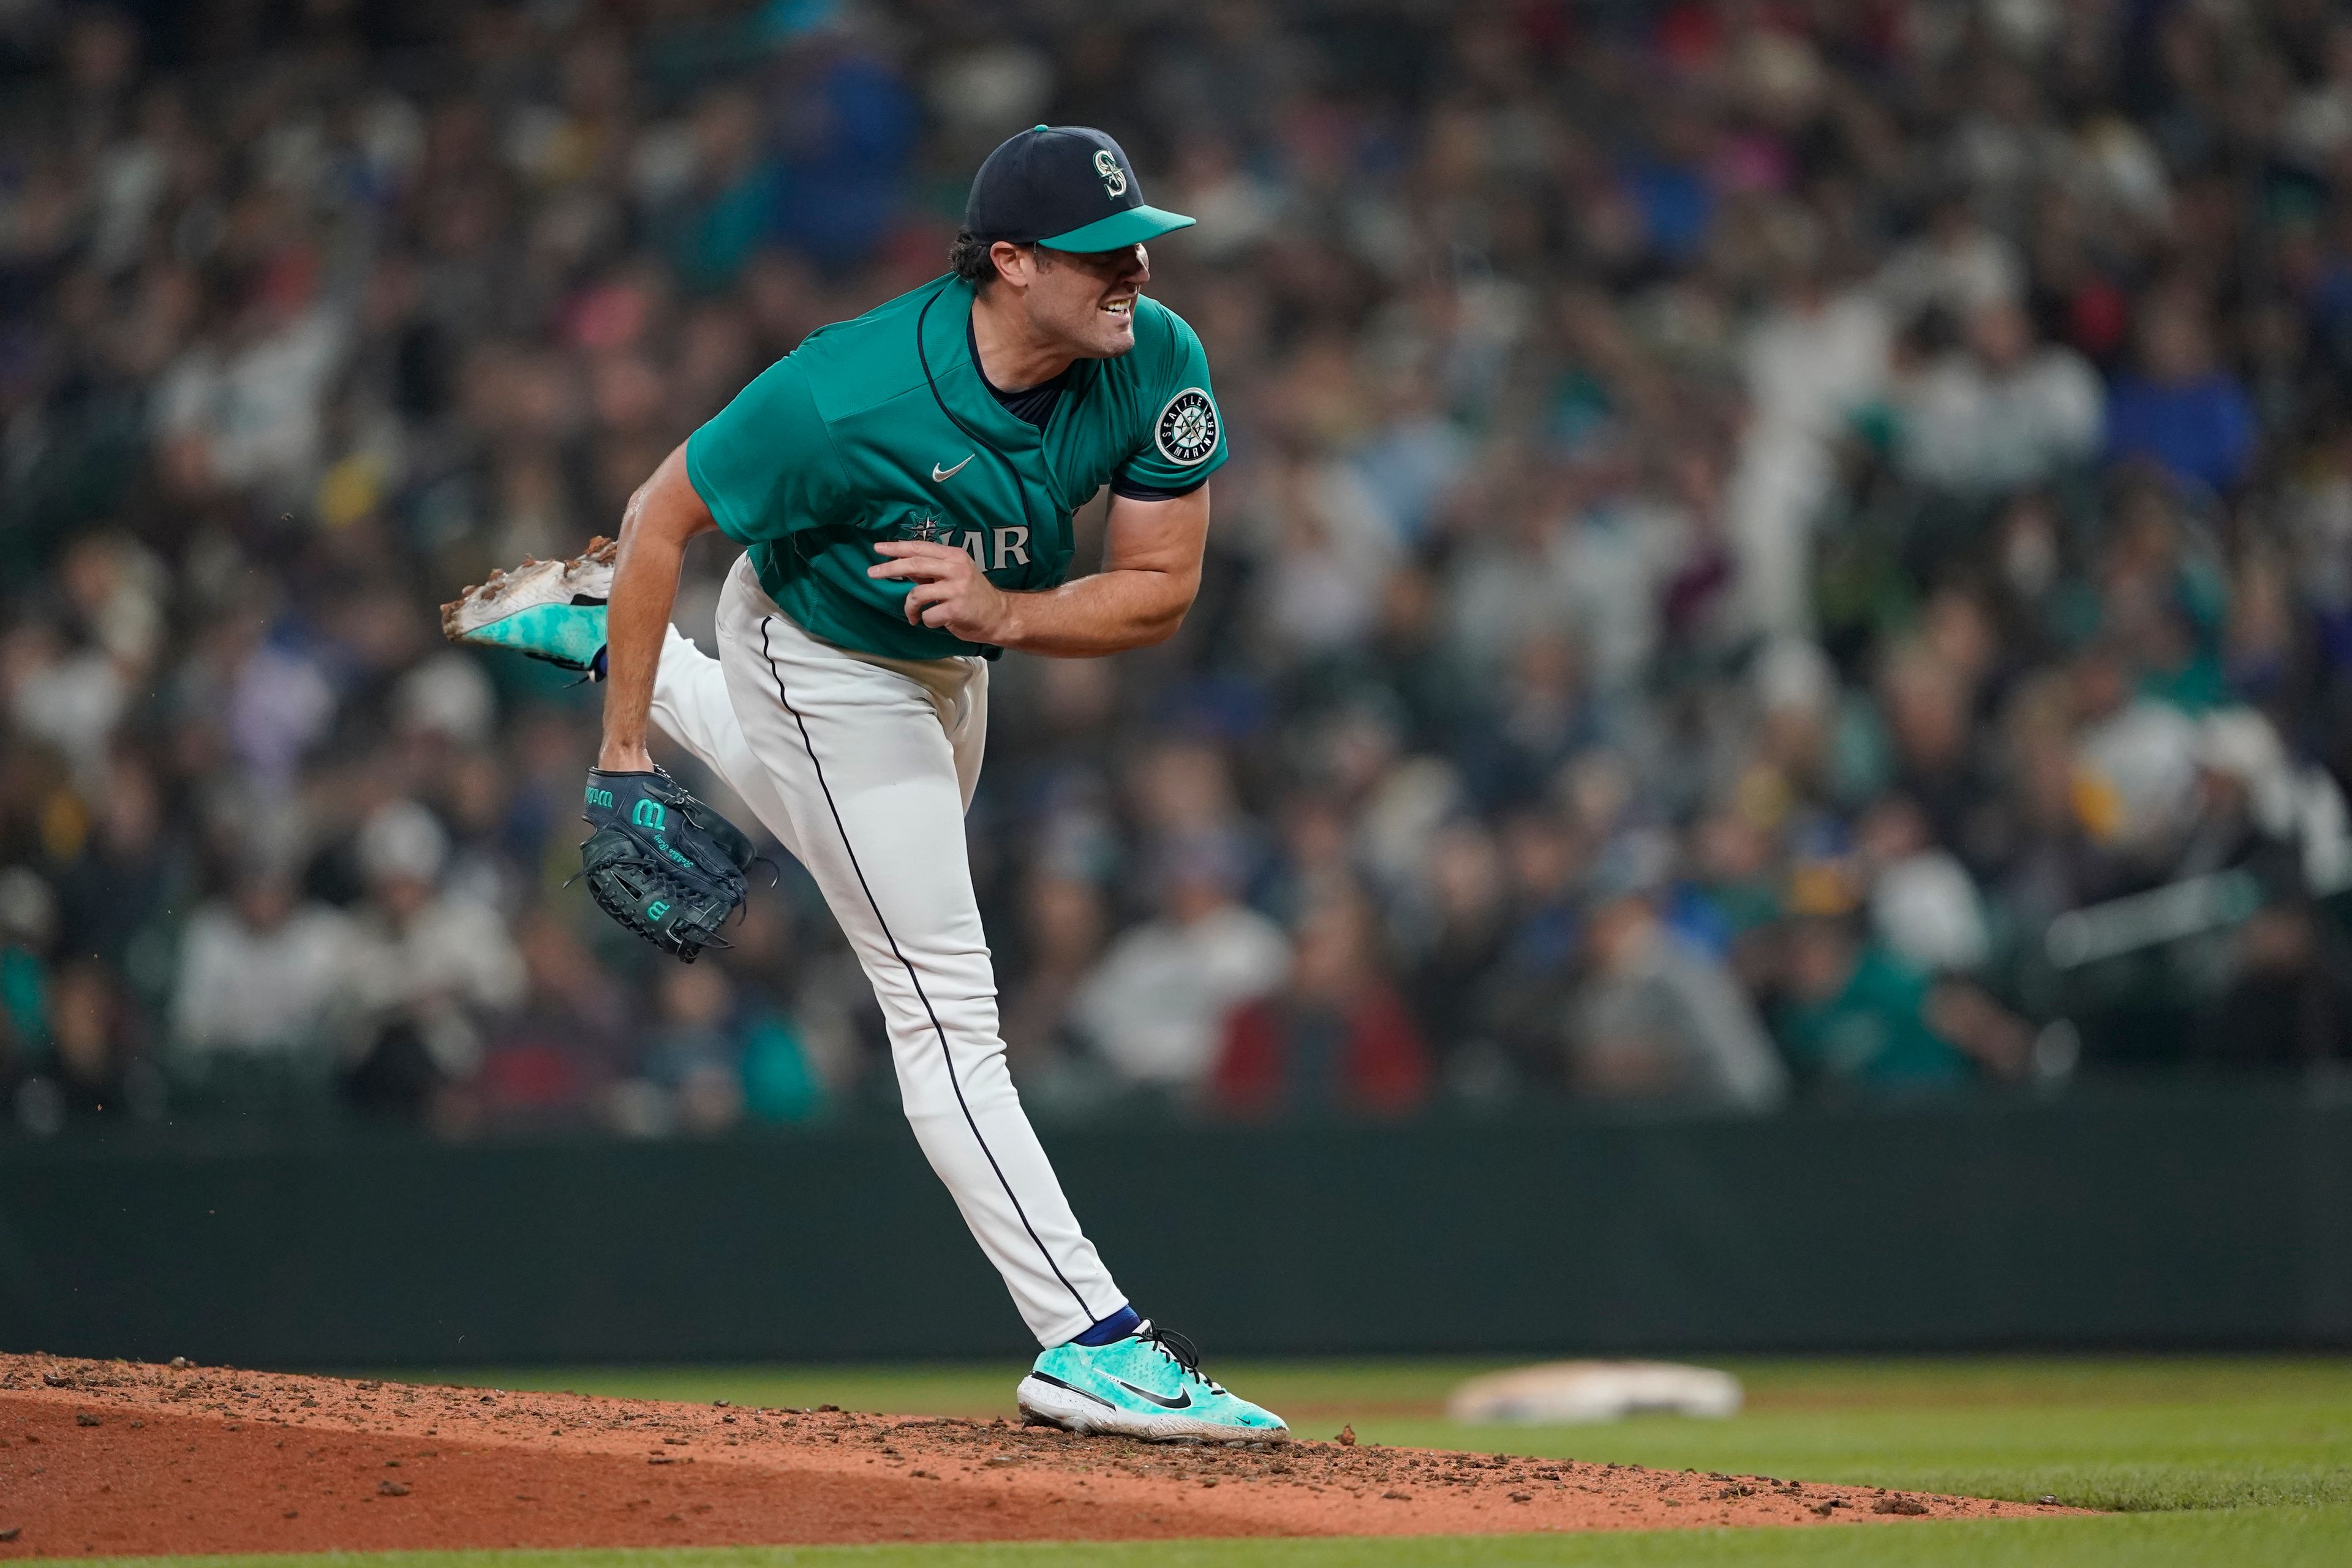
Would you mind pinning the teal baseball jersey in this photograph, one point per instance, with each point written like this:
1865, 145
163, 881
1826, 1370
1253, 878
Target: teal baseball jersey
883, 427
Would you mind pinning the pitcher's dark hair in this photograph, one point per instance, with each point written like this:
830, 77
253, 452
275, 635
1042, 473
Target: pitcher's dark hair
969, 260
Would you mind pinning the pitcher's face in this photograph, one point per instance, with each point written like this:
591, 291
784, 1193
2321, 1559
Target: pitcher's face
1084, 301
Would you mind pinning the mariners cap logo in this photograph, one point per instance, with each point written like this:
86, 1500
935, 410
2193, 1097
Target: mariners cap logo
1187, 431
1070, 187
1114, 178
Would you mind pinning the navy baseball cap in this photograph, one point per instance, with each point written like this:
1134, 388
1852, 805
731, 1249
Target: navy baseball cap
1070, 187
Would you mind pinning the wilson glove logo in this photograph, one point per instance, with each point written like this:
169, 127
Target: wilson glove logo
602, 797
649, 814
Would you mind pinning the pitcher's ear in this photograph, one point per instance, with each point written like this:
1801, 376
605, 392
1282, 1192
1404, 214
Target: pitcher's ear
1017, 263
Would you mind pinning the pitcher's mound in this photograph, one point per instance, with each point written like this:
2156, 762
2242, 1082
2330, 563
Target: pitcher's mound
113, 1457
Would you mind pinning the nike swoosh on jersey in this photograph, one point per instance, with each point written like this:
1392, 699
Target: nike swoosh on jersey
1183, 1400
940, 475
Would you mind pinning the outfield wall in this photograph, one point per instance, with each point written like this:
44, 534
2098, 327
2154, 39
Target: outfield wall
2213, 1216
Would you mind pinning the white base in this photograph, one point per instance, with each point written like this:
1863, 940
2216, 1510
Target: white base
1074, 1412
1578, 1391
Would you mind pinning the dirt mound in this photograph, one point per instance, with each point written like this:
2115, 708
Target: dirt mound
113, 1457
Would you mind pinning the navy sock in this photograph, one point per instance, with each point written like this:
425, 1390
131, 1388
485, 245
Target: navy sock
1117, 1326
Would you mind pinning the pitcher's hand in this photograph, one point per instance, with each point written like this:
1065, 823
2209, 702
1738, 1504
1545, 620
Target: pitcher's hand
949, 593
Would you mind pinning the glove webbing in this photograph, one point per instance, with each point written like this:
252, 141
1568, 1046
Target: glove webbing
662, 904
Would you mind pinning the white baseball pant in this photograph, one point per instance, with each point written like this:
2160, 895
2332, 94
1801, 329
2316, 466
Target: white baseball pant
862, 768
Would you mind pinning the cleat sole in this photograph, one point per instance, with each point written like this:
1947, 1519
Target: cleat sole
552, 610
1043, 1404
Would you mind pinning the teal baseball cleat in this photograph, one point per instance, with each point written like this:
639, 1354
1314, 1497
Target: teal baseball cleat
1147, 1386
552, 610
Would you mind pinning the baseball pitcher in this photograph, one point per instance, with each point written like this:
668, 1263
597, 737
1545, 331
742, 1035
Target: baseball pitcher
905, 484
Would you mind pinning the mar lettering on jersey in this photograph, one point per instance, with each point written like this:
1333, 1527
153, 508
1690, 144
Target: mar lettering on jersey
990, 549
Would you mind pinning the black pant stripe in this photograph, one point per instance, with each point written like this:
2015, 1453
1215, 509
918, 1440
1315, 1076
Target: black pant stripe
913, 978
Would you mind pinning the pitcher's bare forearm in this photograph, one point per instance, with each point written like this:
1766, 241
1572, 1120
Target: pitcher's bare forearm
660, 518
1107, 612
1151, 572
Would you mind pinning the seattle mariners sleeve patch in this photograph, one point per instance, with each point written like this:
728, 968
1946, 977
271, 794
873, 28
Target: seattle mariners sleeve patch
1187, 430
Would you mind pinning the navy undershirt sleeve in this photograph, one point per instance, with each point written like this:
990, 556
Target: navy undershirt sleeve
1135, 489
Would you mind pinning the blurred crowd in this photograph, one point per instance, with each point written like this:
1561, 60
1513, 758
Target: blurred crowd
1774, 549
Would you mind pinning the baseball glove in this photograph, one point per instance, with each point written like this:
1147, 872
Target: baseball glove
660, 862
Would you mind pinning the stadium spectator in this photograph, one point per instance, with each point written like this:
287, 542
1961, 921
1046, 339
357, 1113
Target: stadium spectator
262, 972
1337, 1036
1062, 938
695, 1056
1157, 1004
554, 1058
97, 1061
1660, 1019
2180, 409
27, 926
1855, 1016
2002, 415
1923, 904
266, 979
430, 966
1820, 354
1956, 267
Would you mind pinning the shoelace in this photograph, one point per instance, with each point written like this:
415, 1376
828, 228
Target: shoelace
1179, 1350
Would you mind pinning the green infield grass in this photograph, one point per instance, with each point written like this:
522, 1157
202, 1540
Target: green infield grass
2243, 1461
